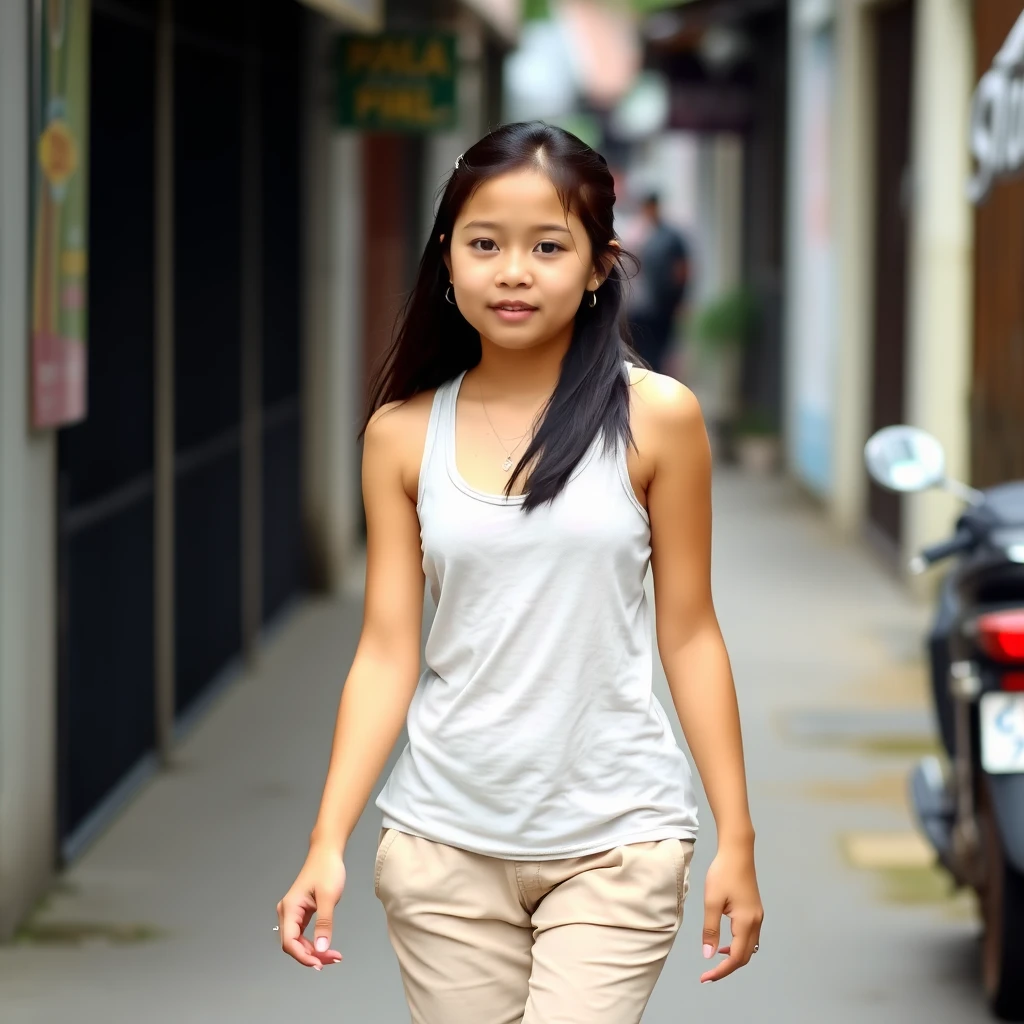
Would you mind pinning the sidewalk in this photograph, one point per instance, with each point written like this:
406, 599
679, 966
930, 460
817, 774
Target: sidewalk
824, 647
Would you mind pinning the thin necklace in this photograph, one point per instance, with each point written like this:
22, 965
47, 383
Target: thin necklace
507, 464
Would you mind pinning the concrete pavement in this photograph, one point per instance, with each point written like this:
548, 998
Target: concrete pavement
168, 917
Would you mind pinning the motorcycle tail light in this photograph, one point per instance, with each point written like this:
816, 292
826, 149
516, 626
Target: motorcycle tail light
1001, 635
1014, 681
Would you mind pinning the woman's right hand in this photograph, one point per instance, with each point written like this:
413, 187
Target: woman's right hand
317, 889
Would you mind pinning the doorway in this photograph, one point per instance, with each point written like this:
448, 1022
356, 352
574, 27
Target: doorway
894, 41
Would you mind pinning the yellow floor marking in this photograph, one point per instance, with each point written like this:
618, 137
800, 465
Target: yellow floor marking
879, 850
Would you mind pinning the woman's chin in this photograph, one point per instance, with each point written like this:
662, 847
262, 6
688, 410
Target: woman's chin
515, 343
523, 336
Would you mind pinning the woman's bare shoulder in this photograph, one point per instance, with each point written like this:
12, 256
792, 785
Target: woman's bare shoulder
397, 433
661, 402
393, 421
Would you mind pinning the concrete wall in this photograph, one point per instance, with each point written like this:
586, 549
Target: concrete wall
854, 216
27, 538
332, 362
718, 213
718, 259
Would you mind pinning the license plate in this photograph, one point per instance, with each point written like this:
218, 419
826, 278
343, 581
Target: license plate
1002, 732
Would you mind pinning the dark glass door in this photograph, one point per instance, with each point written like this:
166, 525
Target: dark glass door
105, 520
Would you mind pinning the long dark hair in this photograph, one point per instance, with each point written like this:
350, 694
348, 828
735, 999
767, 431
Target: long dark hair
434, 343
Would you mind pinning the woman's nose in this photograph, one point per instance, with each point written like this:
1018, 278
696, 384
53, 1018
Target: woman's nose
513, 271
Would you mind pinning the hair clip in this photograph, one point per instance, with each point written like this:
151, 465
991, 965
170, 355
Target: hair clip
459, 160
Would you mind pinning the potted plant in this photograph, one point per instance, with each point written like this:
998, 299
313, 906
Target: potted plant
723, 328
756, 441
728, 321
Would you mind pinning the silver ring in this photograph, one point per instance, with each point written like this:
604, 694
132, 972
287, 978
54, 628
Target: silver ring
756, 947
276, 928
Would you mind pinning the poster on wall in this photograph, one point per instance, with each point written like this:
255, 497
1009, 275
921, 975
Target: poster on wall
59, 211
815, 334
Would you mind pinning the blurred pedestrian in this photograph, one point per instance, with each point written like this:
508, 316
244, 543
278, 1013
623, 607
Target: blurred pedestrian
539, 824
659, 289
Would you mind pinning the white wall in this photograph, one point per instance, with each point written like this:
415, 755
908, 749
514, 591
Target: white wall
332, 361
810, 328
675, 161
27, 541
941, 255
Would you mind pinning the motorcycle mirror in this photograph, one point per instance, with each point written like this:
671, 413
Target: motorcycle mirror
905, 459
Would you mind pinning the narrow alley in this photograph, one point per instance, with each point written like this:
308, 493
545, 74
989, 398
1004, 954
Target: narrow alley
168, 917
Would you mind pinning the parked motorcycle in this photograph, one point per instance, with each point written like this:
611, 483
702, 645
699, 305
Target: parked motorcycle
970, 804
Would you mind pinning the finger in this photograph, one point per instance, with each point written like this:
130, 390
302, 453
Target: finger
326, 901
328, 957
723, 970
294, 917
738, 952
712, 926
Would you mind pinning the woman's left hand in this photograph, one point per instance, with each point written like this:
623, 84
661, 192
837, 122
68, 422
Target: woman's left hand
731, 891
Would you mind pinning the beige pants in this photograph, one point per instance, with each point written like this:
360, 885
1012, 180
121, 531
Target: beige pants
487, 941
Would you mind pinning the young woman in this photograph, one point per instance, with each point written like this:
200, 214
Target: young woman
539, 825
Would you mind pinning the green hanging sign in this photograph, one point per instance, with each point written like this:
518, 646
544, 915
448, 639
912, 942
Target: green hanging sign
397, 82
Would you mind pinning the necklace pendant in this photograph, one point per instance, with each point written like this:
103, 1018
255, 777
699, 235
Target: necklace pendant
507, 464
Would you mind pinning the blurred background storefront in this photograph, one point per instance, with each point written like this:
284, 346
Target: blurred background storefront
212, 213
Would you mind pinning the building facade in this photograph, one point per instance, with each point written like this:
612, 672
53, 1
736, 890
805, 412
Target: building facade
243, 260
880, 248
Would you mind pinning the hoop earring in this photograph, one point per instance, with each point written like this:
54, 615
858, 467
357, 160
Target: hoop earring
447, 299
593, 299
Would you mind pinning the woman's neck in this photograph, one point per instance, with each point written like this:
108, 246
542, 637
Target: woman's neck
522, 373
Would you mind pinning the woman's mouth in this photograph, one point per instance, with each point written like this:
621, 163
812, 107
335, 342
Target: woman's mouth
514, 312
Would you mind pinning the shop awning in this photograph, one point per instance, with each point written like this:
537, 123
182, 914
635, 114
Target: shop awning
366, 15
503, 16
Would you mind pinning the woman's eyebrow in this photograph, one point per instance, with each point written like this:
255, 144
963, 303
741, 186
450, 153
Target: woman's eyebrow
487, 225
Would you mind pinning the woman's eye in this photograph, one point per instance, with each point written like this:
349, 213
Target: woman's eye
549, 248
485, 245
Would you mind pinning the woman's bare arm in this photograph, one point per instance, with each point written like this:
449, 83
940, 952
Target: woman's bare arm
689, 639
380, 683
693, 652
385, 670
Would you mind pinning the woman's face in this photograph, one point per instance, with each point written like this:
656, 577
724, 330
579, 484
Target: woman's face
519, 265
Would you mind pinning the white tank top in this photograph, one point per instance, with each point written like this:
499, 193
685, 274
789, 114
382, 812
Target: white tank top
534, 732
